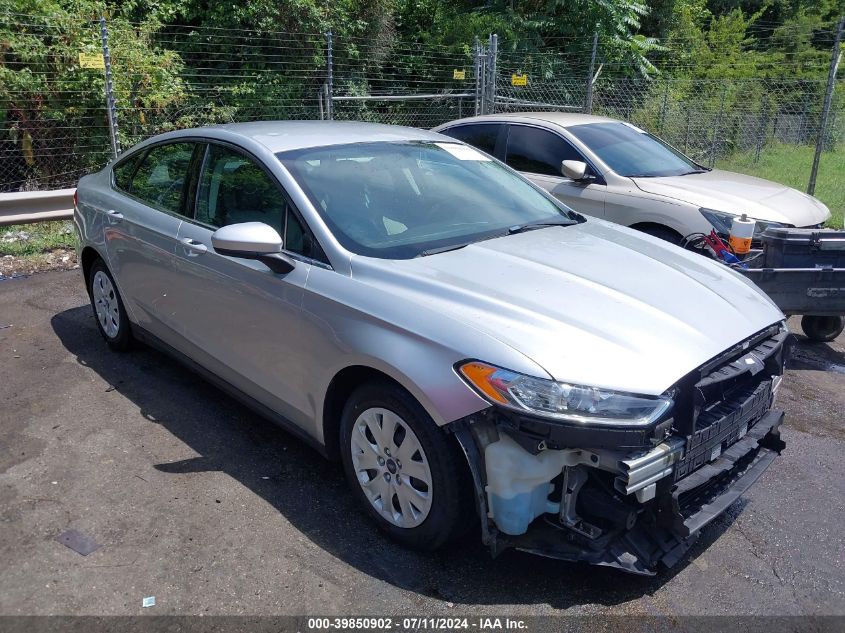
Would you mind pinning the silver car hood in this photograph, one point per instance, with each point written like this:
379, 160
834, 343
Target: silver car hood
736, 193
593, 304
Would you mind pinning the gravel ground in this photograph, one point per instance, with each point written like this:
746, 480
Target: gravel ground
196, 501
29, 248
12, 266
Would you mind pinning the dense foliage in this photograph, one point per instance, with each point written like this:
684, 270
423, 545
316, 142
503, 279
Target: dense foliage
704, 38
187, 62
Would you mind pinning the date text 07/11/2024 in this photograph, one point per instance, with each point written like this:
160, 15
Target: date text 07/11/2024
417, 624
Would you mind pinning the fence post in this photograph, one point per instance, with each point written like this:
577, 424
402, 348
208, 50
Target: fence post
588, 104
477, 58
716, 127
828, 95
761, 130
329, 78
492, 54
111, 103
662, 120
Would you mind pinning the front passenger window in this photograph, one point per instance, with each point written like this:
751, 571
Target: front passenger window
538, 151
234, 189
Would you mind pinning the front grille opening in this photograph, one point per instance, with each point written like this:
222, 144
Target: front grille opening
722, 388
728, 401
723, 425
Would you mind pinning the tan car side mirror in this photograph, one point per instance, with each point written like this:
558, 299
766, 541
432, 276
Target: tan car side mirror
574, 169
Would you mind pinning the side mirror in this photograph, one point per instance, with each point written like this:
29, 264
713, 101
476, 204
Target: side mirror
253, 240
574, 169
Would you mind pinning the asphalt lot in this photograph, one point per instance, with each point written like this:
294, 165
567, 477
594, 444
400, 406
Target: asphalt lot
196, 501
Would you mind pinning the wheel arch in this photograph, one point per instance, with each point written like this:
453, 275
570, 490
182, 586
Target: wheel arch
645, 226
87, 257
340, 388
345, 380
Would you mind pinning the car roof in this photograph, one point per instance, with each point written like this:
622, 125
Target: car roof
562, 119
280, 136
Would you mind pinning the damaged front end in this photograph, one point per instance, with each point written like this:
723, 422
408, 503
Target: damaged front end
633, 499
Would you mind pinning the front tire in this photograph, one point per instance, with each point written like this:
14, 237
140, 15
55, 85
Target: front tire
109, 311
661, 232
406, 472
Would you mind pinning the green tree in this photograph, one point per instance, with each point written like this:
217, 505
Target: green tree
53, 121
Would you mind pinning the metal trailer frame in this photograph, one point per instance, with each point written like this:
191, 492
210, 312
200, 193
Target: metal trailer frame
816, 293
799, 270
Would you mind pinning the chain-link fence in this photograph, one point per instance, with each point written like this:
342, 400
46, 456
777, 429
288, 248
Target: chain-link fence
706, 119
398, 83
222, 77
53, 124
54, 120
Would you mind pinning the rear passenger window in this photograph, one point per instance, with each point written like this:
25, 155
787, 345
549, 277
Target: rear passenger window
480, 135
161, 176
123, 173
538, 151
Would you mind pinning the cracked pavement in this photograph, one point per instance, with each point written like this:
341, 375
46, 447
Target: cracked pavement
212, 510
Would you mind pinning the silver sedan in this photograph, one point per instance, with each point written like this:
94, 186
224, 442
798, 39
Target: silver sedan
475, 353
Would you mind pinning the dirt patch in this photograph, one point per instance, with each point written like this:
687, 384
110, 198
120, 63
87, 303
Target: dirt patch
19, 266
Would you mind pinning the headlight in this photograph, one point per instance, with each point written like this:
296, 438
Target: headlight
722, 222
562, 401
762, 225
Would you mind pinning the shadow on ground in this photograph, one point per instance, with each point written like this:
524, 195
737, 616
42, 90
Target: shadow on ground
810, 355
311, 492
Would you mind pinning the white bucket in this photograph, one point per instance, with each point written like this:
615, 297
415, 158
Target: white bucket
742, 230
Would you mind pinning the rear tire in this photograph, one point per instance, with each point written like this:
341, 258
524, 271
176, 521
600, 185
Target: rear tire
822, 329
406, 472
109, 311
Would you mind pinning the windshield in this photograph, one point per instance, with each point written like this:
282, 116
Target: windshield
405, 199
631, 152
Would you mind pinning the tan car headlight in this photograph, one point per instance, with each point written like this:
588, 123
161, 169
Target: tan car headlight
722, 221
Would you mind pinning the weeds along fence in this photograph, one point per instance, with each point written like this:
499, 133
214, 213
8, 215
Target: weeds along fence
73, 91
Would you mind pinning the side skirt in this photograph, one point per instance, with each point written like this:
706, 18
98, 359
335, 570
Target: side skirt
248, 401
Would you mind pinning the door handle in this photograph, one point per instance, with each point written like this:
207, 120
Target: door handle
193, 245
114, 216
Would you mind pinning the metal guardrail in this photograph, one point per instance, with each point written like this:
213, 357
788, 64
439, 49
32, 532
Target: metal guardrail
26, 207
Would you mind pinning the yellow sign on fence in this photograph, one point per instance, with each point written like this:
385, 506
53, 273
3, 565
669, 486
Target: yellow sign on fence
459, 74
519, 80
89, 60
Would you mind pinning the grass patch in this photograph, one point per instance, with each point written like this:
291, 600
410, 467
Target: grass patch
23, 240
790, 165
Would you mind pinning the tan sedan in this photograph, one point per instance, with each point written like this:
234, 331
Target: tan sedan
613, 170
